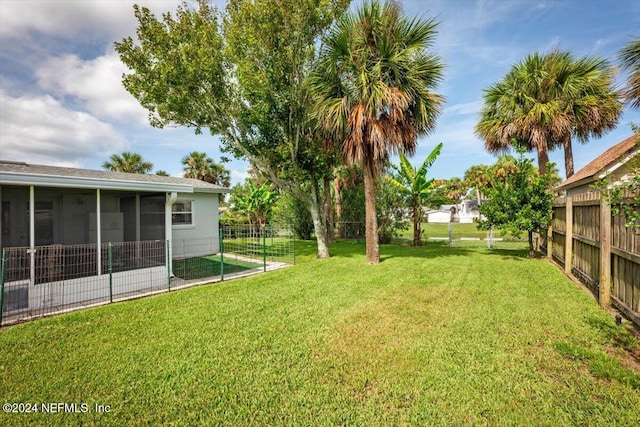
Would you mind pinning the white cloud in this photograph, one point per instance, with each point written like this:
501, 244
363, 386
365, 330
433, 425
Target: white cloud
96, 83
67, 18
465, 108
239, 176
41, 130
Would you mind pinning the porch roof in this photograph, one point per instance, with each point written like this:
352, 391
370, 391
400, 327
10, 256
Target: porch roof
20, 173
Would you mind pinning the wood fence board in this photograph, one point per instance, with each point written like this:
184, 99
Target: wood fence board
581, 253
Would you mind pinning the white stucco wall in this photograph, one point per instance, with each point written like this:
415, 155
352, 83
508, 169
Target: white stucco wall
202, 237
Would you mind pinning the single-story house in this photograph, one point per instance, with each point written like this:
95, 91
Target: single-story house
611, 163
60, 221
465, 213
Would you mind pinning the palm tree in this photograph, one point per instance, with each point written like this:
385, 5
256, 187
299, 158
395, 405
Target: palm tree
629, 58
477, 177
161, 172
373, 89
455, 189
545, 100
504, 168
200, 166
415, 186
127, 162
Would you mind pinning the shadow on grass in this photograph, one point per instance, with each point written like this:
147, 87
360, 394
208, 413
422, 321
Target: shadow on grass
349, 248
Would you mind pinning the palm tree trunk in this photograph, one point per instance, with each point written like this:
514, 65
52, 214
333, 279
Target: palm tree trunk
568, 156
543, 159
371, 222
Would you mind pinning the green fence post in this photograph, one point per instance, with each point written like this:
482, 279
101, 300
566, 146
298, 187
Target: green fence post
2, 271
264, 247
168, 264
110, 272
221, 253
292, 235
272, 245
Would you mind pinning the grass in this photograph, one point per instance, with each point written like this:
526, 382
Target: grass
208, 266
430, 230
431, 336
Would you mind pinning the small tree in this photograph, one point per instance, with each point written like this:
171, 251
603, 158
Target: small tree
254, 202
390, 211
415, 186
520, 202
289, 210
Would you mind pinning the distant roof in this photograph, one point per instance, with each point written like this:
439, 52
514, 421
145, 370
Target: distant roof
601, 163
56, 176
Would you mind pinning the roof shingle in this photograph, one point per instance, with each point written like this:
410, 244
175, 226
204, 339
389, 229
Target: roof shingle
57, 171
602, 162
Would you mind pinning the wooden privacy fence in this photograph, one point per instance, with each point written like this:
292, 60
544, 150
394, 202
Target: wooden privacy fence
597, 248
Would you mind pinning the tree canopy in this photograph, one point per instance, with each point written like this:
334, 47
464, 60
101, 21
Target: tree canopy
241, 74
545, 100
127, 162
522, 201
629, 58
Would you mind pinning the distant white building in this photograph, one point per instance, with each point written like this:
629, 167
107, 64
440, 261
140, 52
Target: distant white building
465, 213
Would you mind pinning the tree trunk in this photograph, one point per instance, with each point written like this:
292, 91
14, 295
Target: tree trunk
320, 229
371, 221
532, 253
568, 156
337, 191
543, 159
416, 227
328, 210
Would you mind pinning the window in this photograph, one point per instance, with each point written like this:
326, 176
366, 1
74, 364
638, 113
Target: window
182, 213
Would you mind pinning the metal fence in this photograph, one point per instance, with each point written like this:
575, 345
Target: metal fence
244, 249
58, 278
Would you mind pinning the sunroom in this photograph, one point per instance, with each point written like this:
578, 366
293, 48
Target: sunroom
80, 235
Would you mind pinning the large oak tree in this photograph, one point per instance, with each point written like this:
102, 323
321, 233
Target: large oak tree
241, 75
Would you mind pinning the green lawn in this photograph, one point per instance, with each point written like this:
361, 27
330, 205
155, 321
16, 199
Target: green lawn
430, 230
208, 266
431, 336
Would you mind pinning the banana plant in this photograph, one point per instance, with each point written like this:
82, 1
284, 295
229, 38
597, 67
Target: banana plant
415, 186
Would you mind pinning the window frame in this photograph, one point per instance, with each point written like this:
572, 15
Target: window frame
190, 212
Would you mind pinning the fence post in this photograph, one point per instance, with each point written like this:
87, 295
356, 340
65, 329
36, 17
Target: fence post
605, 252
2, 273
168, 244
568, 244
264, 246
272, 246
110, 272
221, 253
550, 238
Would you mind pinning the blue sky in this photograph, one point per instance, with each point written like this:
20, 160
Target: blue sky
62, 103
